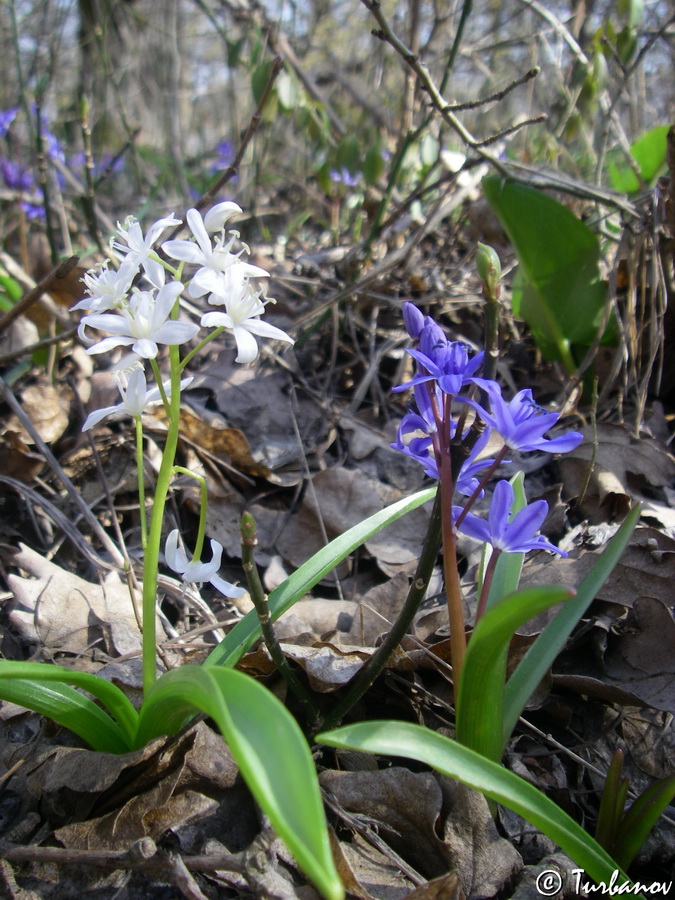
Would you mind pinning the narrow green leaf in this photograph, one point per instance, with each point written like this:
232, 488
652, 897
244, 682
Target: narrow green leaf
540, 656
499, 784
612, 802
114, 700
641, 818
69, 708
246, 633
559, 292
480, 700
269, 748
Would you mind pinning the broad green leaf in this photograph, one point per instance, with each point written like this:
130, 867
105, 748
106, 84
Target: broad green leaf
541, 654
558, 291
246, 633
269, 748
114, 700
69, 708
649, 151
480, 700
499, 784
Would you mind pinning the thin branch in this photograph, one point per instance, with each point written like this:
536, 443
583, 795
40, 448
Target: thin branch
385, 33
48, 283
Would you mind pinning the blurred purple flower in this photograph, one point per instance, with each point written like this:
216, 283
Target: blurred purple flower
7, 116
344, 176
15, 177
510, 535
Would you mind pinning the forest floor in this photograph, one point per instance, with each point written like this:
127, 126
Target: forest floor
302, 440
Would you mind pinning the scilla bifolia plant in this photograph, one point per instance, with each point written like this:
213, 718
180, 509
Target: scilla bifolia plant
452, 388
265, 739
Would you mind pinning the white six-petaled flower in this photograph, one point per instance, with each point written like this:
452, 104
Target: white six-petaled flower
213, 259
137, 249
143, 324
199, 572
243, 308
136, 397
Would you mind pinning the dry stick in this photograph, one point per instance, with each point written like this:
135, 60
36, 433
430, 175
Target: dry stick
29, 349
249, 541
142, 856
43, 287
87, 514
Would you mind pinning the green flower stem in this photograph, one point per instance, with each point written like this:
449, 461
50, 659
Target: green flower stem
249, 541
203, 506
214, 334
160, 385
377, 662
140, 465
151, 559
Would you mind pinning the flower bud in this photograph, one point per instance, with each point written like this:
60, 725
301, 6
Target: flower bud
489, 268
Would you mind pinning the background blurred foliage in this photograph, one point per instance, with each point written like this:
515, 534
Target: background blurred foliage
171, 87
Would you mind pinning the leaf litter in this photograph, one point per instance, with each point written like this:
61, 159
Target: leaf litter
306, 448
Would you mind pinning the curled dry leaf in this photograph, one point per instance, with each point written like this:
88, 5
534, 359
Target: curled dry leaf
625, 467
58, 610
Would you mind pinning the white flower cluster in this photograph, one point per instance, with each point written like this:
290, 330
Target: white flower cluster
141, 318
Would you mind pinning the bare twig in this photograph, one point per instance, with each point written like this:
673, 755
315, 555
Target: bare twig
386, 33
42, 287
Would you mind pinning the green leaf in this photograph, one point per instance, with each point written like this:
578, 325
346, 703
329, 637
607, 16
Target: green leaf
480, 700
558, 290
115, 701
641, 818
69, 708
260, 78
541, 654
496, 782
269, 748
246, 632
649, 151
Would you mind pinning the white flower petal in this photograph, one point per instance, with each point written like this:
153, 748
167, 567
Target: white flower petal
264, 329
145, 347
225, 588
247, 346
215, 218
187, 251
109, 344
99, 414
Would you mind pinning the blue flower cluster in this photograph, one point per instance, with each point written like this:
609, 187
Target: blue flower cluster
445, 369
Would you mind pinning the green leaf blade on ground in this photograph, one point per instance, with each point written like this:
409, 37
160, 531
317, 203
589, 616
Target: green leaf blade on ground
114, 700
267, 745
246, 632
404, 739
69, 708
